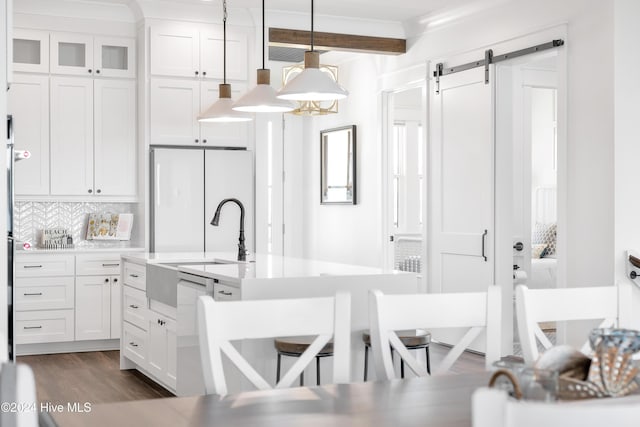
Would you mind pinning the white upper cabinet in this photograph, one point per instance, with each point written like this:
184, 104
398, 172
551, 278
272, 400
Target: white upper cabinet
82, 54
30, 51
175, 51
71, 54
114, 57
28, 103
71, 136
222, 134
211, 54
197, 51
174, 108
114, 137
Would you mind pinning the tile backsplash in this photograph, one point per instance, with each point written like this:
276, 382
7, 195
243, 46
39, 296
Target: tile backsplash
31, 217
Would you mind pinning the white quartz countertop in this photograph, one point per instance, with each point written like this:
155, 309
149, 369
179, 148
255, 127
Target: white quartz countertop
79, 250
259, 266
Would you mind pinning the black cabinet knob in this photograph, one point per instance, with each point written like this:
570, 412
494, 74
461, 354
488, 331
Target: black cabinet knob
106, 280
90, 191
204, 73
97, 71
89, 70
99, 191
204, 141
196, 73
197, 140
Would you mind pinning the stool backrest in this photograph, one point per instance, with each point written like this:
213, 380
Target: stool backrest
493, 408
222, 322
610, 303
477, 311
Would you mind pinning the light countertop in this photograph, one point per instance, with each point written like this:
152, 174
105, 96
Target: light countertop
258, 266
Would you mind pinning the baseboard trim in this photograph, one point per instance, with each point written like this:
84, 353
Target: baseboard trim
67, 347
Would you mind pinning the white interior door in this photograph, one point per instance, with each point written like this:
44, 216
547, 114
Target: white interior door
462, 184
229, 174
178, 205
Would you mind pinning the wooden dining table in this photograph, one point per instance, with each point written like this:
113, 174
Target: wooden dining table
442, 401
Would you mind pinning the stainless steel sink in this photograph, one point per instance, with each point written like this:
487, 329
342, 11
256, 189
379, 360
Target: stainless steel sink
162, 280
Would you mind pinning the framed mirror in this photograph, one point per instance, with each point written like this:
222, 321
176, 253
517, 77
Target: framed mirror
338, 165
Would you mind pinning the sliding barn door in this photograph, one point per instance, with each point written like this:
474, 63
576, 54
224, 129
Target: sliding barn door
461, 232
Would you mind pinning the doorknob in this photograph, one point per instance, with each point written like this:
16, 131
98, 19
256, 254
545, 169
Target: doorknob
518, 246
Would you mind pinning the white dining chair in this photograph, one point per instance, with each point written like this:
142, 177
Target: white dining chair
478, 311
221, 322
18, 390
494, 408
610, 303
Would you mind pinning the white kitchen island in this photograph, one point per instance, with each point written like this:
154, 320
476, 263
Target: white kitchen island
263, 277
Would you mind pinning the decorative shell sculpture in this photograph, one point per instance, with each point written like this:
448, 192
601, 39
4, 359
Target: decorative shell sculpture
611, 372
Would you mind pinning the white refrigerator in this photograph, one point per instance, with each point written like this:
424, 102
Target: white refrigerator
186, 186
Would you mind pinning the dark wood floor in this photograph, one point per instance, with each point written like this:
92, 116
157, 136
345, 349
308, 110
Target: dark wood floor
93, 377
96, 376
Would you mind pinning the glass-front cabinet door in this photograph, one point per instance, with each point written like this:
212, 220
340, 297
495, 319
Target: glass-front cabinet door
30, 51
114, 57
72, 54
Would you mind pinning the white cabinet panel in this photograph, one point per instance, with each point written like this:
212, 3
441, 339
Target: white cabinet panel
228, 175
114, 57
174, 109
93, 307
156, 346
135, 307
115, 137
71, 54
44, 293
175, 50
222, 134
30, 51
43, 326
177, 199
100, 264
134, 344
211, 54
44, 265
135, 275
116, 306
28, 102
71, 136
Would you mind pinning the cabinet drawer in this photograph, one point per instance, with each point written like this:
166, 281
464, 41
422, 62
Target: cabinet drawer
222, 292
134, 344
43, 293
43, 326
44, 265
135, 307
98, 265
134, 275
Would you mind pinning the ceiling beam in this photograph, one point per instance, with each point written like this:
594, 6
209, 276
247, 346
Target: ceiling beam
333, 41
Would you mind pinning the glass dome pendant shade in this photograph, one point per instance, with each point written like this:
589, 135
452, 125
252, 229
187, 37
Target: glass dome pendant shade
262, 98
312, 84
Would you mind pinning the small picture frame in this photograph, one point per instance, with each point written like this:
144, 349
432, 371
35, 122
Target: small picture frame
338, 166
109, 226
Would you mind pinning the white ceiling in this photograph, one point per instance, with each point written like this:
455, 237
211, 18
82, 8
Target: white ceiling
387, 10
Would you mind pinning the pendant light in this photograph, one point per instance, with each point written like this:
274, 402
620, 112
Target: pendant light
221, 110
262, 99
312, 84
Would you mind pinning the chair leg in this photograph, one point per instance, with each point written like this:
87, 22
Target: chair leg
428, 361
401, 368
278, 368
366, 361
317, 370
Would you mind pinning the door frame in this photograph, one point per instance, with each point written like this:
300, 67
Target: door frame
416, 76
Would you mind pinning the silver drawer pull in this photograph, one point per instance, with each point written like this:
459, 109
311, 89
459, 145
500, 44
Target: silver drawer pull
133, 306
33, 327
132, 344
32, 294
111, 265
225, 293
134, 275
32, 266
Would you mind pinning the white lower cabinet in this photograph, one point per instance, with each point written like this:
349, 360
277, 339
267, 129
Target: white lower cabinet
161, 348
33, 327
134, 344
97, 307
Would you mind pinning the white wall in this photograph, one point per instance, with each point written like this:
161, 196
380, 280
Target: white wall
589, 129
627, 129
346, 233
